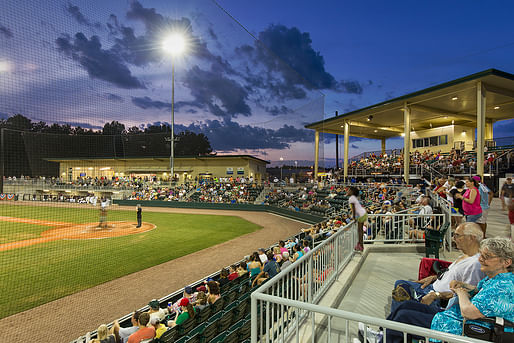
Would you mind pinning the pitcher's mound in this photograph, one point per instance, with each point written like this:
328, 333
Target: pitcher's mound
94, 231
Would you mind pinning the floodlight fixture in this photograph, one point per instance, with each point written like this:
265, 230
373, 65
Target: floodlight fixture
174, 44
370, 118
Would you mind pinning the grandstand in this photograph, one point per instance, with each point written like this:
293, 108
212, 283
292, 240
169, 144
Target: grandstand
85, 147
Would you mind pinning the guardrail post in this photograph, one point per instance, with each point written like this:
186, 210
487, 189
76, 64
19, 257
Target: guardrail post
253, 312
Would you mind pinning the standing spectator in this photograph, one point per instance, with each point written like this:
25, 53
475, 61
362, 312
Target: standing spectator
471, 201
486, 196
507, 191
358, 213
139, 215
143, 332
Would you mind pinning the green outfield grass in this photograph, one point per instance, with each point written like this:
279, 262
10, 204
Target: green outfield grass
41, 273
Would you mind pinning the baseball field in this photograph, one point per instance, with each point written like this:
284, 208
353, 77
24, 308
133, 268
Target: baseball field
49, 252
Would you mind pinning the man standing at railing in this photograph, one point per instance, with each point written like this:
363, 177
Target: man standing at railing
506, 193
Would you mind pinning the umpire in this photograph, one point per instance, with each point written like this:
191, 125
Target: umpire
139, 215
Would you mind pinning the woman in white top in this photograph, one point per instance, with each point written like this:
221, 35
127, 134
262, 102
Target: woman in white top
358, 213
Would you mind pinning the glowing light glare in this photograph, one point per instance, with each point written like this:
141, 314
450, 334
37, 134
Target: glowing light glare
5, 66
175, 44
402, 134
496, 107
455, 98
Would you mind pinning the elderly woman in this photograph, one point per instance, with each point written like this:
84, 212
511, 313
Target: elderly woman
492, 297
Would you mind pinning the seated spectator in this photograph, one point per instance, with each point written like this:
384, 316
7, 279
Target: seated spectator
270, 270
277, 255
201, 301
124, 333
433, 289
188, 294
242, 269
223, 278
286, 261
306, 247
233, 274
159, 328
282, 246
492, 297
213, 292
298, 253
262, 255
155, 310
143, 332
186, 311
104, 336
255, 266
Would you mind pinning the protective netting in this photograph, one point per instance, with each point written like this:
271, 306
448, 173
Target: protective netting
88, 82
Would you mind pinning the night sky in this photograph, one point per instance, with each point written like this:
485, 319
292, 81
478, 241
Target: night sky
91, 62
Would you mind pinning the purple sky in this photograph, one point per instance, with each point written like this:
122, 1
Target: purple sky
90, 62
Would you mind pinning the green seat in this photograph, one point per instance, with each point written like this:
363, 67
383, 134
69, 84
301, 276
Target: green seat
217, 306
434, 240
225, 321
211, 330
170, 336
198, 329
219, 339
186, 326
203, 315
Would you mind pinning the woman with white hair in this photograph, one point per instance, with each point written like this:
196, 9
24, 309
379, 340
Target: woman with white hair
492, 297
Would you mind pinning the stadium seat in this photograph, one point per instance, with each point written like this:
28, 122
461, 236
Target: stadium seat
224, 289
231, 296
225, 321
217, 306
203, 314
189, 339
434, 239
198, 329
186, 326
170, 336
244, 286
219, 338
240, 310
246, 330
211, 327
233, 332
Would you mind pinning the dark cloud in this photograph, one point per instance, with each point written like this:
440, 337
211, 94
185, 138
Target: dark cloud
224, 97
289, 52
278, 110
99, 63
79, 17
227, 135
6, 32
146, 103
355, 146
113, 97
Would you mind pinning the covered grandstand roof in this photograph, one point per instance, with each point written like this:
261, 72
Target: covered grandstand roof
157, 158
453, 102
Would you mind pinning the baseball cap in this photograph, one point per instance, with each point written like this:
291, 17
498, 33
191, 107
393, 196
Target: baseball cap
477, 178
154, 304
188, 290
387, 202
201, 289
184, 302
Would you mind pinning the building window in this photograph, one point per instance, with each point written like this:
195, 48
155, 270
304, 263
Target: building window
430, 141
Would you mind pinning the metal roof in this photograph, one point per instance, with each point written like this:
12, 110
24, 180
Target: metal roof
452, 102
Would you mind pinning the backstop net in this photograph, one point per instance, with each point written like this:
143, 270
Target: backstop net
86, 116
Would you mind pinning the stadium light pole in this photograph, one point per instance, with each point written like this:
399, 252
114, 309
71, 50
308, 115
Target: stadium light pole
281, 166
174, 45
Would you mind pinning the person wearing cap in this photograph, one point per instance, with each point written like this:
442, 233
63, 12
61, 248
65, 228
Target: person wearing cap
159, 328
186, 311
144, 332
188, 294
486, 196
139, 215
155, 310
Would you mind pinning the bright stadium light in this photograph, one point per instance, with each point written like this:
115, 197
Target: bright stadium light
174, 45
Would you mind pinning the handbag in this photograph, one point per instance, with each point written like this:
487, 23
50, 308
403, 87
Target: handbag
496, 333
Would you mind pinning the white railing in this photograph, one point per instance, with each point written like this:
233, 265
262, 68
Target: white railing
401, 227
281, 306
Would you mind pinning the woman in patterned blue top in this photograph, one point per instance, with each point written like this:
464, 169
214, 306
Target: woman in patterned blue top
493, 296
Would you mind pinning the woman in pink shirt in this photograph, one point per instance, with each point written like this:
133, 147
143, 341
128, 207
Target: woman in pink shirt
471, 201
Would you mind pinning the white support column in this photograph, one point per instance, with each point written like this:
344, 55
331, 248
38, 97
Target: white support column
316, 156
489, 129
383, 146
480, 128
406, 142
346, 147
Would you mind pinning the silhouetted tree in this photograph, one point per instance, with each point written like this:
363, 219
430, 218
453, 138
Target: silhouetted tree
192, 144
114, 128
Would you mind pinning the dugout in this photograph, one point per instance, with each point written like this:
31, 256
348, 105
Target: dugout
456, 114
187, 169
